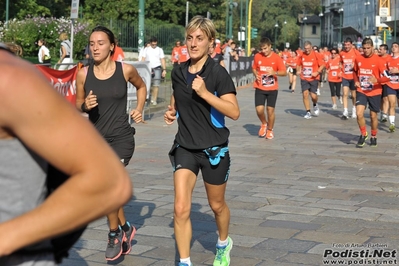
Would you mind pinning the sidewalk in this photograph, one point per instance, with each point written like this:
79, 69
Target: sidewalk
306, 192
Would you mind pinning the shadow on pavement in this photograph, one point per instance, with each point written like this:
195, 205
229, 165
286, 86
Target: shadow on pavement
252, 129
344, 137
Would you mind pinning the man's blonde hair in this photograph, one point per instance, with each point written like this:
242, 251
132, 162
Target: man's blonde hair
204, 24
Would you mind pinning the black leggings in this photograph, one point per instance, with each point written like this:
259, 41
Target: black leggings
335, 88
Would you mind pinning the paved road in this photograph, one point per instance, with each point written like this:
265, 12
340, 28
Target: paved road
293, 198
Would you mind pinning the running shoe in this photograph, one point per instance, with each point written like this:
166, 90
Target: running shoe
362, 140
384, 118
340, 100
269, 134
316, 110
114, 246
184, 264
354, 112
127, 244
334, 107
373, 142
308, 115
392, 127
318, 91
262, 131
345, 114
222, 257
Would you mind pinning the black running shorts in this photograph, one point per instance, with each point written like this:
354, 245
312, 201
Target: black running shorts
194, 160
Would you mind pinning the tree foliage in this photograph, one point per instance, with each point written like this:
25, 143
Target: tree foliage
265, 13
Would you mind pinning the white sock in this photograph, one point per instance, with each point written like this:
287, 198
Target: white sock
392, 119
186, 260
345, 109
223, 243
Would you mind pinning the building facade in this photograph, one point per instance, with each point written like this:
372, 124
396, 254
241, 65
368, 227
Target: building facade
358, 19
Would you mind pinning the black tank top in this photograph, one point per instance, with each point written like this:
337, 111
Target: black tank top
109, 117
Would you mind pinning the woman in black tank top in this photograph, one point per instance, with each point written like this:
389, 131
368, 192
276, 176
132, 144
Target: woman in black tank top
101, 92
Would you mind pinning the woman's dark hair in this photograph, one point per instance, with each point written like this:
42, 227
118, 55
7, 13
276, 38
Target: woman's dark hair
42, 41
109, 33
334, 49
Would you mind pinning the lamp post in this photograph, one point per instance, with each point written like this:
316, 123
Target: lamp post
394, 23
285, 33
7, 11
305, 18
239, 32
275, 36
321, 36
341, 10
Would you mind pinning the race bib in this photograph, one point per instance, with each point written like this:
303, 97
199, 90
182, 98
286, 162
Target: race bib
267, 81
348, 68
307, 72
365, 84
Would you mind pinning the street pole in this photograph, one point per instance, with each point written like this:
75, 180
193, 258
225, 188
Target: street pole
7, 11
275, 36
231, 19
285, 34
321, 35
249, 27
394, 23
246, 25
141, 25
341, 10
187, 9
227, 18
240, 24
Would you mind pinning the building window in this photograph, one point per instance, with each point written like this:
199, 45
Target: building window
314, 29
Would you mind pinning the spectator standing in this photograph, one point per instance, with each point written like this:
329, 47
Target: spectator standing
44, 53
101, 91
203, 94
267, 65
96, 176
65, 52
156, 56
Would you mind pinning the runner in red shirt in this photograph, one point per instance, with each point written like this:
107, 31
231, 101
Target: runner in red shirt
393, 84
183, 54
267, 65
348, 56
334, 70
383, 53
175, 54
368, 74
291, 64
310, 65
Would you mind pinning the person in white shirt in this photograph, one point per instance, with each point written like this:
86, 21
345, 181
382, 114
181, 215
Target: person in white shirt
65, 52
44, 53
156, 57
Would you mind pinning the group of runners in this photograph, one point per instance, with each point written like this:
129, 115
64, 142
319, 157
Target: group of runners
368, 76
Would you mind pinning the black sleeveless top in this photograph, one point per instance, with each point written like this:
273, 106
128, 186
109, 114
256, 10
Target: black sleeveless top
109, 116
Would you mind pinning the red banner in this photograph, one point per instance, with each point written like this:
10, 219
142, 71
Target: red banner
64, 81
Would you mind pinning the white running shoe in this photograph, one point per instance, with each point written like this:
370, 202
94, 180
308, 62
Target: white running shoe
318, 92
334, 107
354, 112
308, 115
340, 100
316, 110
345, 114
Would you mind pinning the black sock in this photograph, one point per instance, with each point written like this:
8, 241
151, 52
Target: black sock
314, 104
126, 226
116, 231
308, 111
